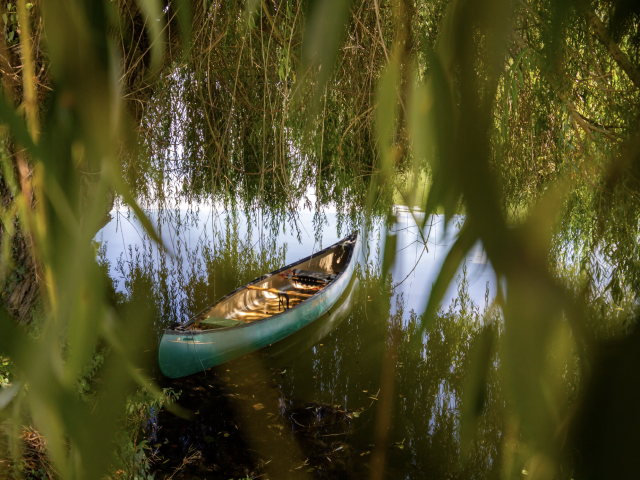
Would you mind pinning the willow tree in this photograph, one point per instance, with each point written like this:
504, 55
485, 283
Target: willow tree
522, 115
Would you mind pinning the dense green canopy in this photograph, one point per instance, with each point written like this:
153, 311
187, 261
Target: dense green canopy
523, 115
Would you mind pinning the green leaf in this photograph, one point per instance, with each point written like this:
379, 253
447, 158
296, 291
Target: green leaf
17, 126
326, 20
154, 23
183, 11
386, 115
474, 392
389, 256
466, 240
119, 185
445, 189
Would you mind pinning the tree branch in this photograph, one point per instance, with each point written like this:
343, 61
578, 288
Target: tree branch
618, 55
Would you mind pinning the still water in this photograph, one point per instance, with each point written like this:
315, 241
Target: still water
314, 404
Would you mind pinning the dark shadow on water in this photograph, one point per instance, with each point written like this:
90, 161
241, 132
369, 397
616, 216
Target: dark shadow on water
218, 442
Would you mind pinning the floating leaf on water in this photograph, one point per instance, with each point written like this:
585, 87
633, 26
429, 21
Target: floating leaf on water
398, 444
226, 435
258, 406
355, 414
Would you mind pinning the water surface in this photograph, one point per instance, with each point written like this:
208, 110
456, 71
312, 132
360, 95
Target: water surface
308, 406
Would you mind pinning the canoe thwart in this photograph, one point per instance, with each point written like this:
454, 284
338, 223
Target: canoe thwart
273, 290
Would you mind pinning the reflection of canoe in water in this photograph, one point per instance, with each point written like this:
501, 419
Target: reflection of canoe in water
262, 312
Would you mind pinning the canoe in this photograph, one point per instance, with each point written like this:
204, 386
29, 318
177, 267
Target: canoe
288, 350
262, 312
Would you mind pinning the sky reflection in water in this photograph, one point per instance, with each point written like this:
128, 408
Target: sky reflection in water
307, 405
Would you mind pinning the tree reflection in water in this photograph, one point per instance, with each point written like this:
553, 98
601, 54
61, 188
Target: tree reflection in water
309, 404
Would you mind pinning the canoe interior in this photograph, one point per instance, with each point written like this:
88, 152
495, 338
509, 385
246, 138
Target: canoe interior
256, 303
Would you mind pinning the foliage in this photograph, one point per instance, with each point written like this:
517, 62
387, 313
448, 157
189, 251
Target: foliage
59, 169
90, 371
233, 121
134, 457
462, 97
524, 115
170, 288
11, 24
5, 371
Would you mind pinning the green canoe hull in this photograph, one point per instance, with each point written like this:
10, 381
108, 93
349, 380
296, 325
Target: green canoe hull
185, 352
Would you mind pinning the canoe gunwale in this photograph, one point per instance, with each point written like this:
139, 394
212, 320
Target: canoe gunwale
352, 237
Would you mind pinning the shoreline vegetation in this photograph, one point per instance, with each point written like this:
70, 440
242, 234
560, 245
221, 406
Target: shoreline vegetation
524, 116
